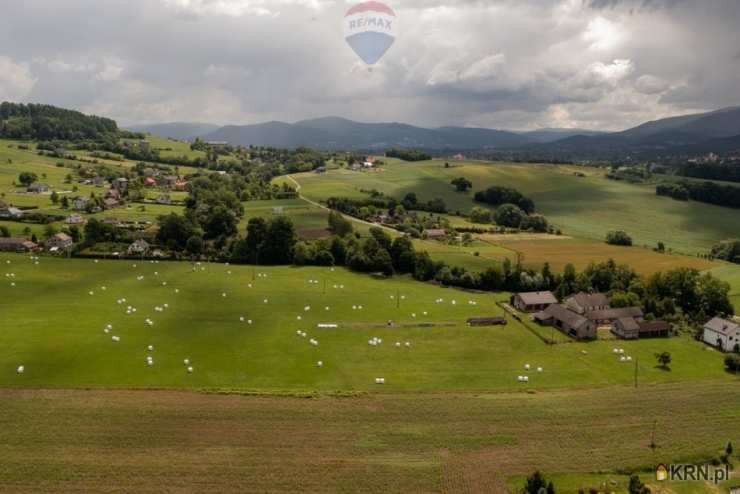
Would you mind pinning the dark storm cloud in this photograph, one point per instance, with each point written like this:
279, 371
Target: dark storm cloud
504, 63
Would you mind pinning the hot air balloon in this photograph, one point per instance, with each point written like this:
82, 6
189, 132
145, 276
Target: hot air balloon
369, 30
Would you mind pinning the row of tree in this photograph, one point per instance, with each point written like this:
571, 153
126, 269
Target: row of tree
709, 192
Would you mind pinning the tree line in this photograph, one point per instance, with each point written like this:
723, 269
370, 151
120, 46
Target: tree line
708, 192
45, 122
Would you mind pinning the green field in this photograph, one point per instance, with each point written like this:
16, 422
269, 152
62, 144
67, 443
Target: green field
583, 207
56, 330
171, 441
731, 274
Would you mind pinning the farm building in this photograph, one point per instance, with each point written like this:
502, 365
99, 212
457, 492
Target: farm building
567, 321
120, 184
722, 334
163, 199
60, 241
17, 245
486, 321
75, 219
608, 316
138, 247
10, 212
435, 233
38, 188
533, 301
80, 204
630, 328
587, 302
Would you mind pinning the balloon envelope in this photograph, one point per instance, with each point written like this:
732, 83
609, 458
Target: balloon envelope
369, 30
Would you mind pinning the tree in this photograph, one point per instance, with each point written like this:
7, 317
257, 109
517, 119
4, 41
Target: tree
480, 215
50, 230
280, 240
220, 221
194, 245
383, 239
461, 184
403, 255
535, 223
175, 231
256, 235
664, 359
636, 486
4, 231
537, 484
339, 225
27, 178
729, 449
509, 215
618, 237
54, 197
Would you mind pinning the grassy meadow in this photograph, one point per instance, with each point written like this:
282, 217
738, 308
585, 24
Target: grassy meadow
55, 328
174, 441
587, 206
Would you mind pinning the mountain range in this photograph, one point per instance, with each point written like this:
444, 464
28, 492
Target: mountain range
684, 133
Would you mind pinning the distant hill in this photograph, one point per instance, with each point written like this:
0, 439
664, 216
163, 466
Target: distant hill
552, 135
675, 136
183, 131
342, 134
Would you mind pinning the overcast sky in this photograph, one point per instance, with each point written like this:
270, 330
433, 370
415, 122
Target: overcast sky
511, 64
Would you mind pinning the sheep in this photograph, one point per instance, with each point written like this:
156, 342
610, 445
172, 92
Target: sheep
319, 363
116, 339
540, 369
190, 370
526, 366
150, 348
186, 361
21, 369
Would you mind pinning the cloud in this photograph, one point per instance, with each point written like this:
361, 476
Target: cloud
15, 79
515, 64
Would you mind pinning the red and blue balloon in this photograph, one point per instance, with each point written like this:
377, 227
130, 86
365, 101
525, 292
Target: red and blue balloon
369, 30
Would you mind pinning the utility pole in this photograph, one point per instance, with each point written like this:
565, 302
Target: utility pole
398, 299
635, 372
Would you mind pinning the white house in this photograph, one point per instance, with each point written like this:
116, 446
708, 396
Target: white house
722, 334
139, 247
60, 241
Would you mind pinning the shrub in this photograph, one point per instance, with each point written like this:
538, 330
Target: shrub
618, 237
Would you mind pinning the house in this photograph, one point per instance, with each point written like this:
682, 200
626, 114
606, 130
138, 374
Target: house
486, 321
120, 184
110, 203
163, 199
435, 233
10, 212
180, 186
80, 204
59, 241
98, 181
38, 188
608, 316
722, 334
320, 169
567, 321
533, 301
144, 145
150, 181
138, 247
459, 157
75, 219
587, 302
12, 244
